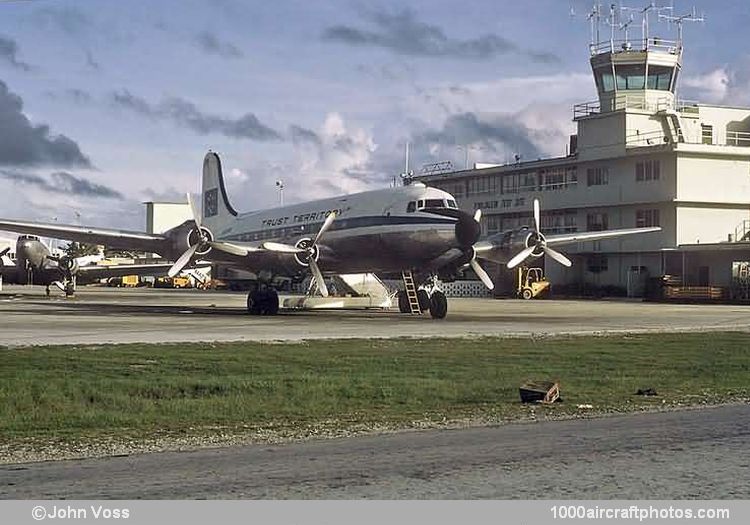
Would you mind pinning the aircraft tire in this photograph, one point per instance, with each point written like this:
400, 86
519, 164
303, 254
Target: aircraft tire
403, 302
438, 305
254, 302
424, 300
271, 302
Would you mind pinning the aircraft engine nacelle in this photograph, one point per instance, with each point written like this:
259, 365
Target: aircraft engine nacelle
68, 265
180, 239
525, 238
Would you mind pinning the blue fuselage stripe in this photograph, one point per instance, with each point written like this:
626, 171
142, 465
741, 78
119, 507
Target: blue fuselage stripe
343, 223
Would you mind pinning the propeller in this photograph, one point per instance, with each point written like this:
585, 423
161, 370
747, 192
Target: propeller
310, 250
4, 252
204, 243
536, 244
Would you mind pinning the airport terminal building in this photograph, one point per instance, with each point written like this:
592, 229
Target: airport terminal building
640, 157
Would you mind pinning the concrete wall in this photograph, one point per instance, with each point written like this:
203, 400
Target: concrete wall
703, 225
161, 216
713, 179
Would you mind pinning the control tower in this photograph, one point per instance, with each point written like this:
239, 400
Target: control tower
636, 81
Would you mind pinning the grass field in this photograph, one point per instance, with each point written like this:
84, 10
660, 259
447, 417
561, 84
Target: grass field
296, 389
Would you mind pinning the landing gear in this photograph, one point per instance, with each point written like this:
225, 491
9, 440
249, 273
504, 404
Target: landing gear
438, 305
70, 289
403, 302
430, 297
263, 302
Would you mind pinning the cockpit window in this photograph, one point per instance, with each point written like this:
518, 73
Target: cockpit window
411, 207
420, 204
452, 203
434, 203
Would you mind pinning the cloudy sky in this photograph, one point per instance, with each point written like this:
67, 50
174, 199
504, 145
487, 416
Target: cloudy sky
108, 103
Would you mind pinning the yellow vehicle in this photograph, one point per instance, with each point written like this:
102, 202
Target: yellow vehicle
172, 282
130, 281
531, 282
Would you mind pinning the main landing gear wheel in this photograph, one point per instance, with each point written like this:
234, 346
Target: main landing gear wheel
403, 302
438, 305
424, 300
263, 302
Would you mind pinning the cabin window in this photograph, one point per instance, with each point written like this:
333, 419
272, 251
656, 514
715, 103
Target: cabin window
411, 207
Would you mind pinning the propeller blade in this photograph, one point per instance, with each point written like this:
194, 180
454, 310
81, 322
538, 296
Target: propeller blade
478, 215
481, 274
60, 285
229, 248
4, 252
522, 255
537, 216
557, 256
327, 224
281, 248
194, 210
318, 276
182, 261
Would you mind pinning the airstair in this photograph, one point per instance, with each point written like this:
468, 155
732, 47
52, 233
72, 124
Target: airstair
411, 292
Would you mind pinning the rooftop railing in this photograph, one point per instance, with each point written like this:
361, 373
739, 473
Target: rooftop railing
659, 45
638, 101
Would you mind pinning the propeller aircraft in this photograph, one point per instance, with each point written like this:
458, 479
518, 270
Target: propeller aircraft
412, 228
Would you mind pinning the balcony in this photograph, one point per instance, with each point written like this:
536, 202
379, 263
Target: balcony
636, 101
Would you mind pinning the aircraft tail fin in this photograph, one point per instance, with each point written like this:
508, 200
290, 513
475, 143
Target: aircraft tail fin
216, 207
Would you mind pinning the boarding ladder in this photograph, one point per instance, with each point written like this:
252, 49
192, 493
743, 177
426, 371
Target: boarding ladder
411, 292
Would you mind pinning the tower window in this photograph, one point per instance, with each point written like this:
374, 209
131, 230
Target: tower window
630, 76
659, 77
605, 81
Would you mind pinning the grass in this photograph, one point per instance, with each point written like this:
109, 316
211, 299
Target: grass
88, 392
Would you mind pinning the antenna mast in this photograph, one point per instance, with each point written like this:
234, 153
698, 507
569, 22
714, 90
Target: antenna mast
679, 20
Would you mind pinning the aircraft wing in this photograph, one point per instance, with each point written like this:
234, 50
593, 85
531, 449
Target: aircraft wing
121, 239
95, 272
570, 238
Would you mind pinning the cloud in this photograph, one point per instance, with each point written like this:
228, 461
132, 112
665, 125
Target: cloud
495, 133
186, 114
62, 182
212, 45
68, 19
402, 33
24, 144
302, 135
9, 54
91, 62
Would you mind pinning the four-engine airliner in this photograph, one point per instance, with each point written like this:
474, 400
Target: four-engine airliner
412, 228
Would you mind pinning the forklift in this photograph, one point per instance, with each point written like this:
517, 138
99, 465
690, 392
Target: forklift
531, 282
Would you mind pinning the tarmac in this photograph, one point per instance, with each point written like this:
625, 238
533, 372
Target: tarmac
688, 454
108, 315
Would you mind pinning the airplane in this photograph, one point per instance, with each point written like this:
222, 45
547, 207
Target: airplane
411, 228
35, 265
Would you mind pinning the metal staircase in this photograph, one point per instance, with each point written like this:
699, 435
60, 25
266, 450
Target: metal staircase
411, 292
673, 124
742, 231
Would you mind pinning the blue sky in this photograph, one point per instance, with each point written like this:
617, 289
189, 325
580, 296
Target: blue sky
107, 103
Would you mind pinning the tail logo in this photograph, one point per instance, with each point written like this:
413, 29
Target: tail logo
211, 203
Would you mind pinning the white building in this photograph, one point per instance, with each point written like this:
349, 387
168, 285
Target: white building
640, 158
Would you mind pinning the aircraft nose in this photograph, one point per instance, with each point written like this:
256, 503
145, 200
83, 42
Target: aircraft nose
468, 230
